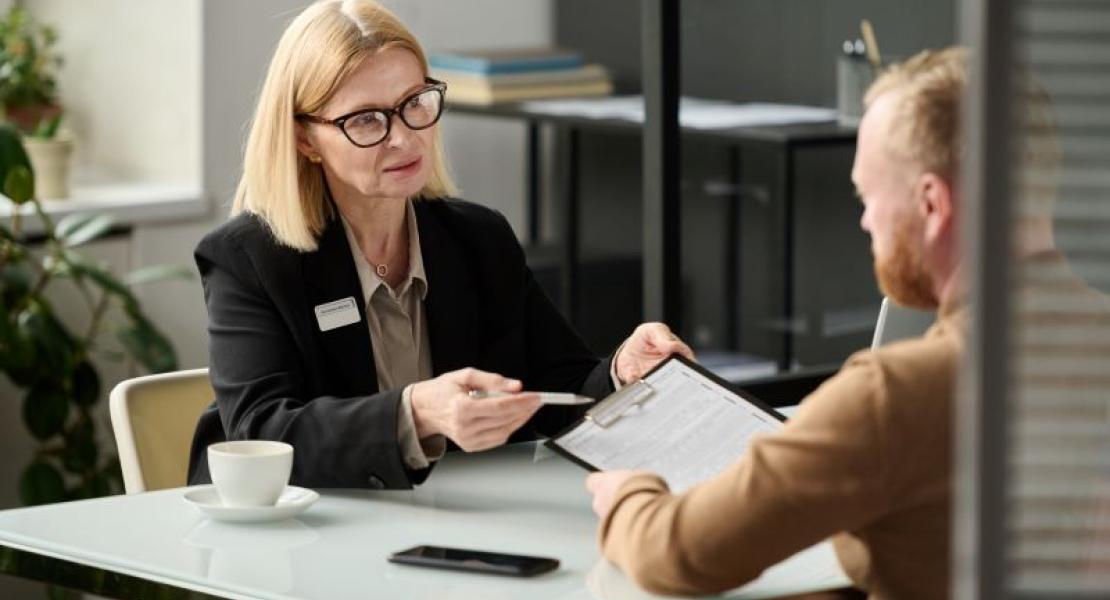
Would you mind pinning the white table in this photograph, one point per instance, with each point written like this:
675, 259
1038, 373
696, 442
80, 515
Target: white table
517, 499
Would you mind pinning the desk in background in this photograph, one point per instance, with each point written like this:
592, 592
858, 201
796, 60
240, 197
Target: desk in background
154, 545
782, 142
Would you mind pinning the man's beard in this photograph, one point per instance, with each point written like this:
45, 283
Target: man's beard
902, 276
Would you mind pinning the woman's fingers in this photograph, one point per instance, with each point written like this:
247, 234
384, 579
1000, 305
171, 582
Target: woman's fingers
473, 379
499, 405
498, 434
481, 423
488, 422
661, 337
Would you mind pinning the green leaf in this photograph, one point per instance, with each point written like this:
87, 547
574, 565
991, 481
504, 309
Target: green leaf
86, 384
70, 223
17, 353
41, 483
15, 280
101, 276
19, 184
17, 350
13, 249
45, 410
12, 153
157, 273
47, 128
89, 231
17, 357
80, 452
148, 346
53, 345
58, 268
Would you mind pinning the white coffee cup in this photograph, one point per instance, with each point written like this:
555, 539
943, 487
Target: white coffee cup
250, 472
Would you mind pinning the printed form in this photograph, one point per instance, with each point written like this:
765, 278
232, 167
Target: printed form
689, 429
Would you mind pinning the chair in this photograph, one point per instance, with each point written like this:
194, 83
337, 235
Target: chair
153, 419
898, 323
787, 390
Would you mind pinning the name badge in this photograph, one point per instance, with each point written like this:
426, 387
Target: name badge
337, 314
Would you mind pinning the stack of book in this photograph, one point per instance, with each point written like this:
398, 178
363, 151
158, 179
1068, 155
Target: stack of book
491, 77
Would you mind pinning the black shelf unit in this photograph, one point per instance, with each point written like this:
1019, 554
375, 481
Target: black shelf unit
661, 236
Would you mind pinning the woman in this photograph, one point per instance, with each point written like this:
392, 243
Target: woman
352, 305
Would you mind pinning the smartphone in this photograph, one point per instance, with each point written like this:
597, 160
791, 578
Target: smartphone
476, 561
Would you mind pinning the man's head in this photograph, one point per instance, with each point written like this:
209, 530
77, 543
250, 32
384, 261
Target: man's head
905, 173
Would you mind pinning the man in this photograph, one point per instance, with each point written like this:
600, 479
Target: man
868, 457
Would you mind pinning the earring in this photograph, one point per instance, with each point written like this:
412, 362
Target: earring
315, 158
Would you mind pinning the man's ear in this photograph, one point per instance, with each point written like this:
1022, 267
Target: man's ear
936, 205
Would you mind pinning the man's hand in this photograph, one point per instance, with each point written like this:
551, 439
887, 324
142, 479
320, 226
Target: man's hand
604, 486
648, 345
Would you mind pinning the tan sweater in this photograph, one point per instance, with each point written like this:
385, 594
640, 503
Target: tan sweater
867, 460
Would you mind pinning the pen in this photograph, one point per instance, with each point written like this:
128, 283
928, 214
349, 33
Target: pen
560, 398
871, 43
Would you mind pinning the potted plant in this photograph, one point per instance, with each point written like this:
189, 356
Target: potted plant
28, 65
29, 98
50, 361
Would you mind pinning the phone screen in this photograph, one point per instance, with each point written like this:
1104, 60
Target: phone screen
474, 560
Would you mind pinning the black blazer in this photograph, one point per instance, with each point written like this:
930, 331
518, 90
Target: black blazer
277, 376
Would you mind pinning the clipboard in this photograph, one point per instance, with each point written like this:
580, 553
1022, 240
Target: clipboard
640, 395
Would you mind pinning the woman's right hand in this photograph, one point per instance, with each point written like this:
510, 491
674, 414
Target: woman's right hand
443, 406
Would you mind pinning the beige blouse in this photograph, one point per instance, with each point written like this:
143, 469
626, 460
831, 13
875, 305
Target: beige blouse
399, 335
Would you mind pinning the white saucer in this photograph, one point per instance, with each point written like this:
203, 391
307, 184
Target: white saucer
292, 502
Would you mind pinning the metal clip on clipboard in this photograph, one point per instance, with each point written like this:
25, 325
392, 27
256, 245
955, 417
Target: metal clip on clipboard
614, 407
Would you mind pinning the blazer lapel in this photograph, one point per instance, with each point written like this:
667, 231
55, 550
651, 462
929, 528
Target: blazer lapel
331, 275
451, 305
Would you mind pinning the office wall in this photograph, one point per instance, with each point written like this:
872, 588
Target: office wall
130, 85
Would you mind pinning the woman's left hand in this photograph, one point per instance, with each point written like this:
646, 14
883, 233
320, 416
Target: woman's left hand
648, 345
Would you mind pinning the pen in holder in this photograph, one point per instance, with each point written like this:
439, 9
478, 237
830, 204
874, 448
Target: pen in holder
854, 74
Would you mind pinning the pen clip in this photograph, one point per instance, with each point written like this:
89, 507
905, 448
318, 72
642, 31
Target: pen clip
610, 410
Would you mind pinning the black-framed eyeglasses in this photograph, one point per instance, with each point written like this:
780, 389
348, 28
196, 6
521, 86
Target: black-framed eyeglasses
370, 126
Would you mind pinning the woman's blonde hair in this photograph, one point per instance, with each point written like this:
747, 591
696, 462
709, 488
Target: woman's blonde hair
317, 52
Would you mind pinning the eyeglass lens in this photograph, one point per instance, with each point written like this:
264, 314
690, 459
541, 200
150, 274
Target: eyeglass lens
418, 112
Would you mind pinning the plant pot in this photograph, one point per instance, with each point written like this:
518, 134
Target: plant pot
50, 162
28, 116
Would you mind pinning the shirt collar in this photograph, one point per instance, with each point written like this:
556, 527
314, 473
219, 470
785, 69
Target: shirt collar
367, 276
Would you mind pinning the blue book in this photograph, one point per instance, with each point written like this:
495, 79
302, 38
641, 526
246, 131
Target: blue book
520, 60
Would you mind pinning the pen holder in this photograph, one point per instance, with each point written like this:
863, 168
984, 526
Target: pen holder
853, 76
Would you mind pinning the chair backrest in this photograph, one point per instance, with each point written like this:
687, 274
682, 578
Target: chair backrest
897, 323
153, 418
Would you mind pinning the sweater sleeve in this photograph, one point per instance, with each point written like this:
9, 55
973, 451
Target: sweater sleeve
824, 472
